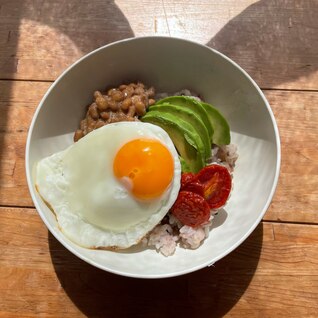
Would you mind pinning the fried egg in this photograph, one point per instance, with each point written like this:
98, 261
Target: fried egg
113, 186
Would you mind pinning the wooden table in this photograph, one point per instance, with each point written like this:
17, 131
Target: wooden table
274, 272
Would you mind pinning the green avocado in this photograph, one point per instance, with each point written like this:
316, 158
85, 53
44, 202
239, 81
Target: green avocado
185, 138
190, 117
221, 127
194, 105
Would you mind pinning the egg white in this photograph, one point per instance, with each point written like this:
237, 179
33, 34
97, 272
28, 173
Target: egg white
92, 207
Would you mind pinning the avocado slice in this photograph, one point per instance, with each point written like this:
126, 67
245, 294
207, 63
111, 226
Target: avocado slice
192, 104
190, 117
221, 127
185, 138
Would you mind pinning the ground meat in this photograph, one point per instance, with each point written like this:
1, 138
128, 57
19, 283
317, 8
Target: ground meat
123, 103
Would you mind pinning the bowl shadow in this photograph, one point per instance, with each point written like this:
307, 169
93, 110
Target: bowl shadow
211, 291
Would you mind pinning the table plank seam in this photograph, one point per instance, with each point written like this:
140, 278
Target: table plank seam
289, 222
30, 207
26, 80
4, 79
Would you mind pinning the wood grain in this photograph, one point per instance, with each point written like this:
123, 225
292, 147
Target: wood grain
18, 101
274, 272
39, 40
296, 198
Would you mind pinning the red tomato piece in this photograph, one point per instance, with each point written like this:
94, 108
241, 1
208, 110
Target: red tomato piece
217, 183
186, 178
194, 186
188, 184
191, 209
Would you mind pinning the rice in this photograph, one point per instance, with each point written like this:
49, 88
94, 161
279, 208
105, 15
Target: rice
191, 237
163, 240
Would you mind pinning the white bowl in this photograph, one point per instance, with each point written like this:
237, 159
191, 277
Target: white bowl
169, 64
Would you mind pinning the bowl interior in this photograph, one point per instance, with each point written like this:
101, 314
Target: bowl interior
169, 65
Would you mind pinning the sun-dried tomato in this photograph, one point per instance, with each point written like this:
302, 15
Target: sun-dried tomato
186, 178
194, 186
201, 192
214, 183
191, 209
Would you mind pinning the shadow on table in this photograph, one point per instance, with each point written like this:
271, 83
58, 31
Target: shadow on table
274, 41
89, 24
245, 38
210, 291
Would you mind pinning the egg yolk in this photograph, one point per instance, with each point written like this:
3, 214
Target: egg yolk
147, 165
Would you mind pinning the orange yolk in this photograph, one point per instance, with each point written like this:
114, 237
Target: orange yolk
147, 164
